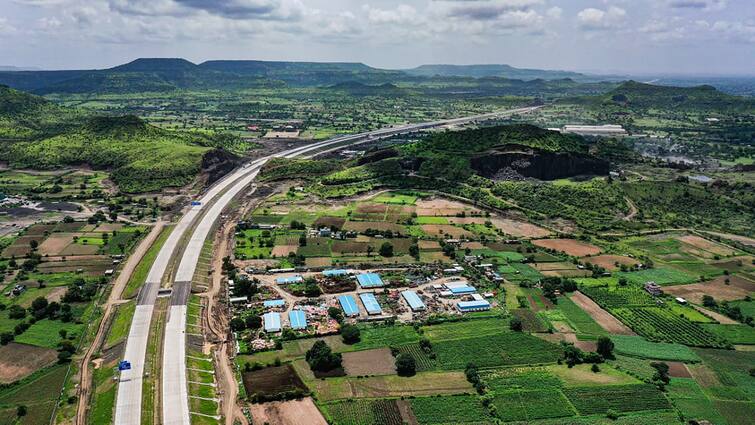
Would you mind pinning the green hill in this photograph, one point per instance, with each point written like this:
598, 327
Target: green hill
640, 95
42, 135
492, 70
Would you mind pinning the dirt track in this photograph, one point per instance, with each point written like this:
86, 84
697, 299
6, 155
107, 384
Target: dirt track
604, 318
114, 299
294, 412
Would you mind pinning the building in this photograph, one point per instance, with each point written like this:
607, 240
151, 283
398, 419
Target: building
414, 301
370, 280
370, 303
595, 130
349, 305
335, 272
470, 306
274, 303
272, 322
289, 280
653, 289
237, 300
298, 319
460, 288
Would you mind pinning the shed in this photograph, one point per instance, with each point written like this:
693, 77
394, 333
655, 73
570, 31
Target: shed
274, 303
288, 280
335, 272
370, 280
236, 300
272, 322
370, 303
349, 305
469, 306
298, 319
462, 290
414, 301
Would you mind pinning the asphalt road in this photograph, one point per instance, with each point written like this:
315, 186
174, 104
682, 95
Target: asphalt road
175, 409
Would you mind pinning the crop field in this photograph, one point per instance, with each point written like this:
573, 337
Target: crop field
571, 247
531, 322
272, 380
624, 398
532, 405
578, 318
736, 334
465, 329
662, 324
724, 288
449, 410
364, 412
520, 378
508, 349
661, 276
692, 402
637, 346
609, 298
385, 386
38, 392
519, 272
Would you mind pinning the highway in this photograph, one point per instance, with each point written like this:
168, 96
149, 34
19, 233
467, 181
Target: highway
201, 217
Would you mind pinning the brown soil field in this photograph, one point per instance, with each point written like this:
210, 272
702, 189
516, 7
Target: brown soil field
440, 230
742, 263
741, 239
586, 345
737, 289
293, 412
69, 227
361, 226
678, 370
520, 229
318, 262
443, 207
283, 250
55, 244
272, 380
602, 317
369, 362
109, 227
56, 294
80, 249
569, 246
567, 273
20, 360
39, 229
329, 222
347, 247
608, 262
561, 269
472, 245
428, 245
712, 248
554, 266
369, 208
20, 247
704, 376
718, 317
432, 256
468, 220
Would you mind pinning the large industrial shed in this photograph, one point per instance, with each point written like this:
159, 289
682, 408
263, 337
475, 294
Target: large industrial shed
415, 303
349, 305
470, 306
370, 303
335, 272
298, 319
272, 322
370, 280
288, 280
274, 303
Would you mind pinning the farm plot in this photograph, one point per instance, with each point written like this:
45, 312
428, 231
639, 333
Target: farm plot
662, 324
465, 329
561, 269
421, 358
692, 402
736, 334
531, 405
704, 248
38, 392
736, 289
381, 226
610, 297
637, 346
364, 412
602, 317
445, 231
421, 384
272, 380
378, 361
291, 412
524, 378
519, 272
20, 360
508, 349
624, 398
571, 247
520, 229
443, 208
449, 410
531, 322
578, 319
609, 262
661, 276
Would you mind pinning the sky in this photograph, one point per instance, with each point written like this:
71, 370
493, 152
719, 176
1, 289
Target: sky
696, 37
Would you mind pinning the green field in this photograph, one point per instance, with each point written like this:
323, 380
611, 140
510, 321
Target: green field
637, 346
449, 410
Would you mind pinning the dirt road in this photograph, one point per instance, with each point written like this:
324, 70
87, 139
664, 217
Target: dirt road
113, 300
632, 209
604, 318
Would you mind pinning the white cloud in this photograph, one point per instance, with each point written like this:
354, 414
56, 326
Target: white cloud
5, 27
735, 31
698, 4
554, 12
592, 19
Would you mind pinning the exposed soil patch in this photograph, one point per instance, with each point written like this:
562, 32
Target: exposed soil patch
520, 229
440, 230
717, 288
602, 317
20, 360
678, 370
294, 412
407, 414
710, 248
569, 246
272, 380
442, 207
283, 250
608, 262
369, 362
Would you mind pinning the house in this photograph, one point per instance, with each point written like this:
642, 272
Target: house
653, 289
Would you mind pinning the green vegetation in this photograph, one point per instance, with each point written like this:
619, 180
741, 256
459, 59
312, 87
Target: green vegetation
637, 346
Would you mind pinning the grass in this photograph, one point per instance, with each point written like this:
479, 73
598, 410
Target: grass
691, 401
396, 198
121, 323
661, 276
637, 346
578, 318
46, 333
139, 276
736, 334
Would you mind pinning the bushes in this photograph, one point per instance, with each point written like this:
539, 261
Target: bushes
350, 334
405, 365
321, 358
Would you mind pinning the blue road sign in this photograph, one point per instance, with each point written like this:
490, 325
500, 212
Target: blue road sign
195, 203
124, 365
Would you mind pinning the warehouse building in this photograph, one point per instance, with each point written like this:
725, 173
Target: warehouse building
414, 301
289, 280
272, 322
349, 305
470, 306
298, 319
335, 273
274, 303
460, 288
370, 303
370, 280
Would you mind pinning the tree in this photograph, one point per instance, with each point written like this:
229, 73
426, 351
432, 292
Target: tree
386, 249
253, 322
709, 301
605, 347
661, 377
414, 251
312, 289
406, 365
335, 313
516, 324
238, 324
21, 411
350, 334
321, 358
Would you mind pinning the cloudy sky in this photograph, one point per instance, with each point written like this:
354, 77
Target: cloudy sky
627, 36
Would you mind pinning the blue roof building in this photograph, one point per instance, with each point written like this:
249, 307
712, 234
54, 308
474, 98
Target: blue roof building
298, 319
287, 280
272, 322
463, 290
274, 303
370, 303
415, 303
349, 305
370, 280
469, 306
335, 272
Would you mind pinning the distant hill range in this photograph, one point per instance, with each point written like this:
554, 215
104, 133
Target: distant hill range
504, 71
641, 95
